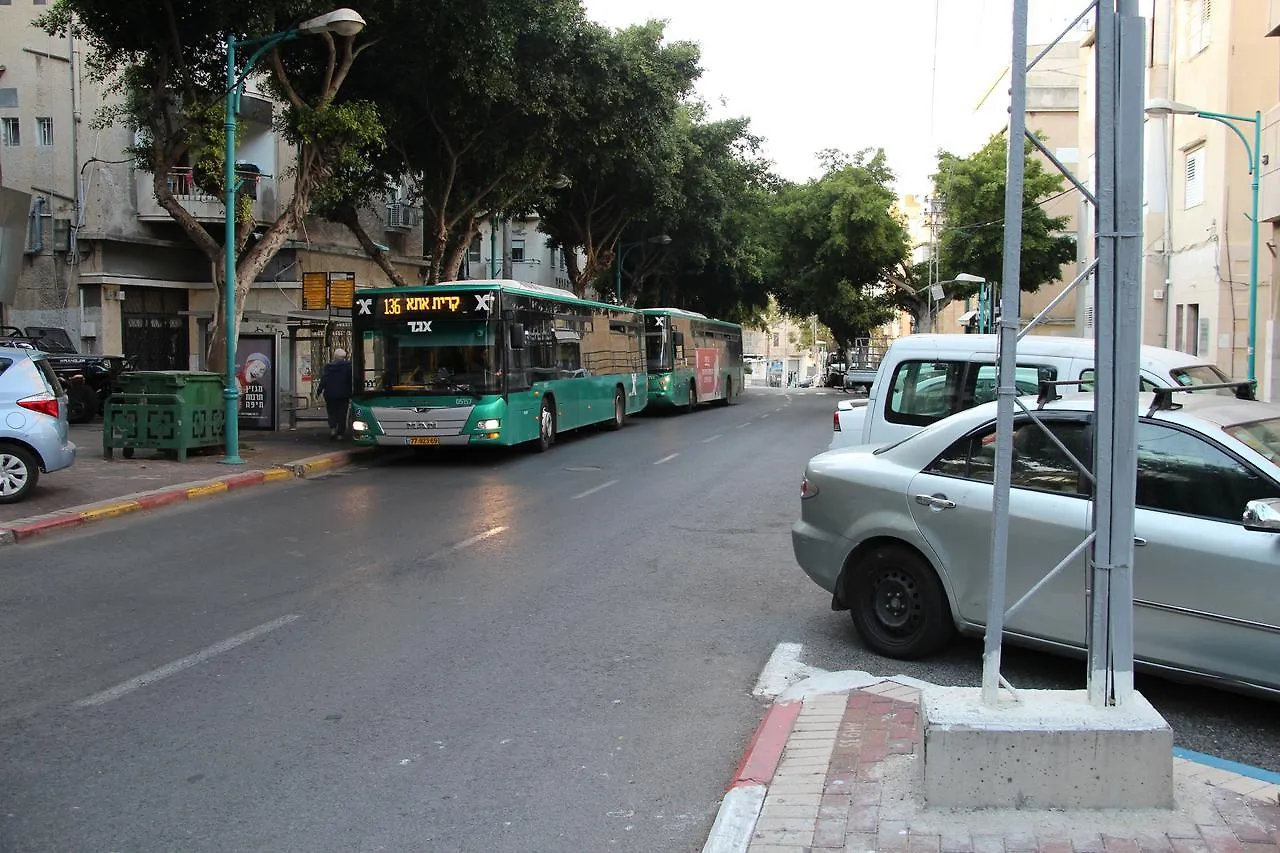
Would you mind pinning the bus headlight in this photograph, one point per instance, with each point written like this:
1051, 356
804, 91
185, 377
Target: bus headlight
664, 382
489, 424
359, 426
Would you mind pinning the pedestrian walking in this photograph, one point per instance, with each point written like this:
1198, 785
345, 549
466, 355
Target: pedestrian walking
335, 387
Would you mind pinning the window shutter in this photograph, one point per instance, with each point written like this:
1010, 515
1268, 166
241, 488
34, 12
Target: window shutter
1194, 184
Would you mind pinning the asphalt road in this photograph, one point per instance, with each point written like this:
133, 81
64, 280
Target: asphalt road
511, 652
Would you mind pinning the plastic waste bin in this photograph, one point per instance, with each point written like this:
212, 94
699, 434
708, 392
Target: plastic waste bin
164, 410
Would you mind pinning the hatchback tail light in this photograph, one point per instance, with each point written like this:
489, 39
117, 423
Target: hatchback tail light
835, 421
45, 404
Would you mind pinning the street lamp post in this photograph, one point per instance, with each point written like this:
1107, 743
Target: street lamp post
661, 240
342, 22
1166, 107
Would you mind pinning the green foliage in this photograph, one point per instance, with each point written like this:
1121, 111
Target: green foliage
836, 240
972, 191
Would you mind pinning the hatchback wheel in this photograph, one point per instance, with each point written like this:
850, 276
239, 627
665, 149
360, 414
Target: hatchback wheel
898, 604
19, 473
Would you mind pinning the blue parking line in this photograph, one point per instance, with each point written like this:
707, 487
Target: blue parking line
1231, 766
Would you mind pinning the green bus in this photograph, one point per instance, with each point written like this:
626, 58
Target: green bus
490, 363
691, 358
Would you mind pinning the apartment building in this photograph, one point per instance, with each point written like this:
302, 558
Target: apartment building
1216, 56
103, 260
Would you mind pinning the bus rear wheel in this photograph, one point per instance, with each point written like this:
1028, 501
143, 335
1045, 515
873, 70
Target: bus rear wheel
619, 410
546, 426
728, 393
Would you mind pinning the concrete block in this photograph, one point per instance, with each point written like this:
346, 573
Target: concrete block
1051, 751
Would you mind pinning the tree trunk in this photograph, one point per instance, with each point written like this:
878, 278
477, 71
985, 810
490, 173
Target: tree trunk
576, 280
456, 248
350, 217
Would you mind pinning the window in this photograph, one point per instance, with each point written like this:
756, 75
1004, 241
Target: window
1038, 463
44, 131
1191, 334
12, 134
1196, 22
1183, 473
473, 253
1193, 194
517, 251
924, 392
1087, 376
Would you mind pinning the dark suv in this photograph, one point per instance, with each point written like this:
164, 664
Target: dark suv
89, 379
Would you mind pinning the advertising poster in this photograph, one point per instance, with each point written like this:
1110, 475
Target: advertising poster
256, 376
708, 361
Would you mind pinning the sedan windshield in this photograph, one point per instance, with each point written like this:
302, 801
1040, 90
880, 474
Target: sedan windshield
1261, 436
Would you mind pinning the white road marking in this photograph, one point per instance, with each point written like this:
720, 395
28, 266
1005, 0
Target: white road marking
713, 438
740, 426
782, 670
765, 415
465, 543
593, 490
179, 665
666, 458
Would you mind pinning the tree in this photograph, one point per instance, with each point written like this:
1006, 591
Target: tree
836, 240
715, 261
477, 103
622, 153
972, 192
163, 67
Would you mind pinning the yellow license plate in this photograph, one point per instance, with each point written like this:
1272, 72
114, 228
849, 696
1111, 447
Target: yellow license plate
418, 441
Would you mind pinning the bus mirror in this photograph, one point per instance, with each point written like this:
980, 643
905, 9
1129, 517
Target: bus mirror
677, 339
517, 335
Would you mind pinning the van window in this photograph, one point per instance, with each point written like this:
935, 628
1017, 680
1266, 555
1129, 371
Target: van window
1087, 377
928, 391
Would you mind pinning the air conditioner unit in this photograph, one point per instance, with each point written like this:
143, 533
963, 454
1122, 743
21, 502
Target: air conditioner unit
399, 217
1157, 294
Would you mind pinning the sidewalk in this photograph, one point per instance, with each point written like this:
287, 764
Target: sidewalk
841, 771
95, 488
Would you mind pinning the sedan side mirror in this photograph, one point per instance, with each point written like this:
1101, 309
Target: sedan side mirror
1262, 515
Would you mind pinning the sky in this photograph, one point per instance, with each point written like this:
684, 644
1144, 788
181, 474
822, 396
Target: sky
852, 74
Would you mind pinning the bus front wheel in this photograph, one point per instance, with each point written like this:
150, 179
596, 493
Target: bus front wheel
693, 398
619, 410
546, 425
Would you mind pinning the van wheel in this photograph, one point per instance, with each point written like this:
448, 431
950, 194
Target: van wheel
897, 604
546, 426
19, 473
619, 410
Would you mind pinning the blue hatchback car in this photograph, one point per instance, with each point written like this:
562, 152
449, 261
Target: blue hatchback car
33, 422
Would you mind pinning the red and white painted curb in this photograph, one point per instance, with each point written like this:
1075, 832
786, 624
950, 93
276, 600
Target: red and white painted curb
25, 528
736, 820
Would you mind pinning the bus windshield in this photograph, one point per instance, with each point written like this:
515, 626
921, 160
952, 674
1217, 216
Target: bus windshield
657, 352
454, 357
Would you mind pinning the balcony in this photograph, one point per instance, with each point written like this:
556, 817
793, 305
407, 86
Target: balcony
200, 204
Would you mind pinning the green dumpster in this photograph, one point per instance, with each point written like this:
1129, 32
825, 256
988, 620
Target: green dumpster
174, 410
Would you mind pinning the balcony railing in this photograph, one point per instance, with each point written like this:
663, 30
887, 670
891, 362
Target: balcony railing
182, 183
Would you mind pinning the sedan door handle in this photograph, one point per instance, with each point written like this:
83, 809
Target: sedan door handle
1138, 540
935, 501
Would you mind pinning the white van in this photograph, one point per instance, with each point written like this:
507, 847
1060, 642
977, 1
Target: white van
925, 378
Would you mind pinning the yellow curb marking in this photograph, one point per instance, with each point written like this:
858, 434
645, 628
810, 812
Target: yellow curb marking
273, 474
109, 511
207, 489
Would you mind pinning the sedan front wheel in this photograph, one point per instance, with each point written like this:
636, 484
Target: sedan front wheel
898, 604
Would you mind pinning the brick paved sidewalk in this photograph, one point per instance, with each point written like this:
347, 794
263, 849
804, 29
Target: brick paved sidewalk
848, 778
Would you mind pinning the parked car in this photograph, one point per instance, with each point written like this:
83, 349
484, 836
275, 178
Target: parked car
900, 535
88, 379
33, 422
924, 378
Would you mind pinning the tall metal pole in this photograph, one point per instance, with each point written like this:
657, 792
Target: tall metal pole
1254, 167
230, 390
1007, 389
1120, 72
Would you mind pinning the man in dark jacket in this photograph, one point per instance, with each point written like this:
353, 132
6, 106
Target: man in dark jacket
335, 387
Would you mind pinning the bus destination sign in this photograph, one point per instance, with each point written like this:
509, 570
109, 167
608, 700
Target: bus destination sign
428, 306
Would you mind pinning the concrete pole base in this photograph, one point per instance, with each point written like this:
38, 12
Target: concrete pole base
1051, 751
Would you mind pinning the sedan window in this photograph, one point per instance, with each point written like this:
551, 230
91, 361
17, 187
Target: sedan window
1183, 473
1038, 463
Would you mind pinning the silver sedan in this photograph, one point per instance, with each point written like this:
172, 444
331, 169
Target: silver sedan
901, 535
